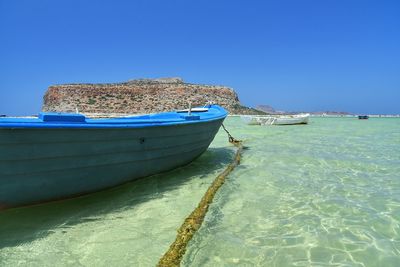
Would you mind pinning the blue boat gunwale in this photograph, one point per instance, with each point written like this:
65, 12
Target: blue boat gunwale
214, 112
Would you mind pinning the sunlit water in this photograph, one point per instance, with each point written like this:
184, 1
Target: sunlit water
323, 194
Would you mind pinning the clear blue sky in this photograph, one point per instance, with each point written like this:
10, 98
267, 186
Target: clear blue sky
293, 55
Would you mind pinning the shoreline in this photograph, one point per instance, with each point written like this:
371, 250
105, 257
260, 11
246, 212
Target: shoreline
120, 115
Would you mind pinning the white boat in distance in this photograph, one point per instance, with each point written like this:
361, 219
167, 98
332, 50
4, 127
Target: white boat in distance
276, 119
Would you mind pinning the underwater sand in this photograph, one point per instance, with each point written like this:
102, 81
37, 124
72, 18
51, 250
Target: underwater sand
323, 194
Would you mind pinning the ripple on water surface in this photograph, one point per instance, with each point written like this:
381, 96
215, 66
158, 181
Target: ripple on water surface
323, 194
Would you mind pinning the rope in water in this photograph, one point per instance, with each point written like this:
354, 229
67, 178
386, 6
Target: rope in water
230, 137
193, 222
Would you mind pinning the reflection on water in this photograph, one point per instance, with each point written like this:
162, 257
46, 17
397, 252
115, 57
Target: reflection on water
324, 194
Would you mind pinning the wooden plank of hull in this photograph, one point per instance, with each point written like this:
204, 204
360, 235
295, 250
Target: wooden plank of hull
59, 163
20, 152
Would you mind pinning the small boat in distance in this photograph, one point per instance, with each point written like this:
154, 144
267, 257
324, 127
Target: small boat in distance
276, 119
363, 117
59, 155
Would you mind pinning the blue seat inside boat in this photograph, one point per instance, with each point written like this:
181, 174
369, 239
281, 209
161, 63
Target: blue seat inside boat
61, 117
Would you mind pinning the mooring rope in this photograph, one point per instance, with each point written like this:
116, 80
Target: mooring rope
193, 222
230, 137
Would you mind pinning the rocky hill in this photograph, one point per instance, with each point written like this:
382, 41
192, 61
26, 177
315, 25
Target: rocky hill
139, 96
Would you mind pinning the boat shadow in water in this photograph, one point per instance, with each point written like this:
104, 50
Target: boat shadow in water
22, 225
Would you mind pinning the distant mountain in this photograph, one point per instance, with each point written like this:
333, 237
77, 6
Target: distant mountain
334, 113
265, 108
270, 110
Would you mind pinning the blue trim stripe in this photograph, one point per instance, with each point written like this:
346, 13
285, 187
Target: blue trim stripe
68, 120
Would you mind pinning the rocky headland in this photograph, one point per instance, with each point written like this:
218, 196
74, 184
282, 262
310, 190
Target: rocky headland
140, 96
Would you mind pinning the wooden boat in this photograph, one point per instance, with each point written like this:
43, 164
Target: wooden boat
56, 156
276, 119
363, 117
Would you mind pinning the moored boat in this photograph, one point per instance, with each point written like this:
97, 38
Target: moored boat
56, 156
363, 117
276, 119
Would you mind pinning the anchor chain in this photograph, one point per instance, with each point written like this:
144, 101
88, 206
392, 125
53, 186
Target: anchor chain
230, 137
193, 222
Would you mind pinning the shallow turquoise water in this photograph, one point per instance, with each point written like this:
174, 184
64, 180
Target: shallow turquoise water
323, 194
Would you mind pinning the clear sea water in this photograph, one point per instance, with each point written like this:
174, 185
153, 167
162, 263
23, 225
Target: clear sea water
323, 194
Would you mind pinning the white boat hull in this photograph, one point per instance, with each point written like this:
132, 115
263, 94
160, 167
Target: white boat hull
276, 120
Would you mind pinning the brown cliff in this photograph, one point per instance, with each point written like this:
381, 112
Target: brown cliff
139, 96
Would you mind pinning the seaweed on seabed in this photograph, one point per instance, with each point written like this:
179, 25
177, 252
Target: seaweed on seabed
193, 222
